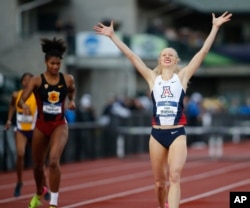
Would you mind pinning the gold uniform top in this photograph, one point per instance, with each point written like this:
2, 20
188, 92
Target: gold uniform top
26, 122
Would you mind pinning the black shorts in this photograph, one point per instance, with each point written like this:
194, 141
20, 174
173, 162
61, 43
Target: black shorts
27, 134
166, 136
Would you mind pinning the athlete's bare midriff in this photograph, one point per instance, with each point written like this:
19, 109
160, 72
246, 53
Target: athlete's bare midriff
167, 126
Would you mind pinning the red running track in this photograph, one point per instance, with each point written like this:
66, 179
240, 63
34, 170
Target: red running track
128, 182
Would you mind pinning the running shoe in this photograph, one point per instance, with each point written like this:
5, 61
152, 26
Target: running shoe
46, 193
35, 202
17, 191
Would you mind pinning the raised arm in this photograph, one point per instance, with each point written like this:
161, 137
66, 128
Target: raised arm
196, 61
134, 59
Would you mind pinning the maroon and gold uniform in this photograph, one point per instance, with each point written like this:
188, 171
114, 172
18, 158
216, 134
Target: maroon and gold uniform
50, 103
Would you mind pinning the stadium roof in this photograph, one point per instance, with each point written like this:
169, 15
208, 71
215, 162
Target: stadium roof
239, 6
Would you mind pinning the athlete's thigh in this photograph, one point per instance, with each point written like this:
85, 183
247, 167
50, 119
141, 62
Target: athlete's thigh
178, 153
40, 145
21, 142
158, 157
58, 140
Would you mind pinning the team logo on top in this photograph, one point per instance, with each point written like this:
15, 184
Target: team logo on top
166, 92
53, 97
46, 86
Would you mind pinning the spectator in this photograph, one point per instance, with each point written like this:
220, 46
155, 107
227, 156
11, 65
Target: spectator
70, 115
86, 110
193, 109
194, 114
156, 27
143, 102
234, 107
245, 109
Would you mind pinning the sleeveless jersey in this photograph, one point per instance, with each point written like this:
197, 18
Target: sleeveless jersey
167, 97
26, 122
50, 100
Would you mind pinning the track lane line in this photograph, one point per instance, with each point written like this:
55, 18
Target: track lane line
216, 191
97, 170
150, 187
206, 174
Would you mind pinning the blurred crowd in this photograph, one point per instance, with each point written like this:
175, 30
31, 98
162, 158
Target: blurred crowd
121, 106
190, 37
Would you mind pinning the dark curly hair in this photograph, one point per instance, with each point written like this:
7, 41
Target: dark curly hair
53, 48
25, 74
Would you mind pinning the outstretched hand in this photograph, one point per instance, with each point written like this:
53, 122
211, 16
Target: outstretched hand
225, 17
104, 30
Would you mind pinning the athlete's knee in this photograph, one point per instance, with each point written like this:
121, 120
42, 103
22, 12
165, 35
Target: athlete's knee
174, 176
160, 184
20, 151
53, 163
38, 167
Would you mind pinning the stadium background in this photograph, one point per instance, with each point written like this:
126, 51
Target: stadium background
103, 72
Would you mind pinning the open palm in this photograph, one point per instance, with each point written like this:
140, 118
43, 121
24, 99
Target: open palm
225, 17
104, 30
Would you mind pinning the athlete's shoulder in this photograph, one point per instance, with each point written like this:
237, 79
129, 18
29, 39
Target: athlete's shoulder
68, 78
36, 78
16, 93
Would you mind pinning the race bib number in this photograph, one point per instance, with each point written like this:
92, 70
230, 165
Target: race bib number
21, 118
52, 108
166, 108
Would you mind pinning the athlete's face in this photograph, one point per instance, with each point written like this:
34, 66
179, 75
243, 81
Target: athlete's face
25, 81
53, 64
168, 57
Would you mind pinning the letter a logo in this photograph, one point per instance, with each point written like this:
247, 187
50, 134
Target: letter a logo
166, 92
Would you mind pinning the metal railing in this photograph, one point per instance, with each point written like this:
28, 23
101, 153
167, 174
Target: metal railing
214, 136
121, 137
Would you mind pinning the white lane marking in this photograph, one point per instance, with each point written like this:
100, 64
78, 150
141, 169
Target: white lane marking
147, 188
84, 172
151, 187
222, 170
216, 191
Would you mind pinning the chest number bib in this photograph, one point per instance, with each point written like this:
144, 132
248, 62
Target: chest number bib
52, 108
166, 108
24, 118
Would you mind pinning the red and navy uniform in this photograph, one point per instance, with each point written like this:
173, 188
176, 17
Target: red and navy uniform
50, 104
167, 97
